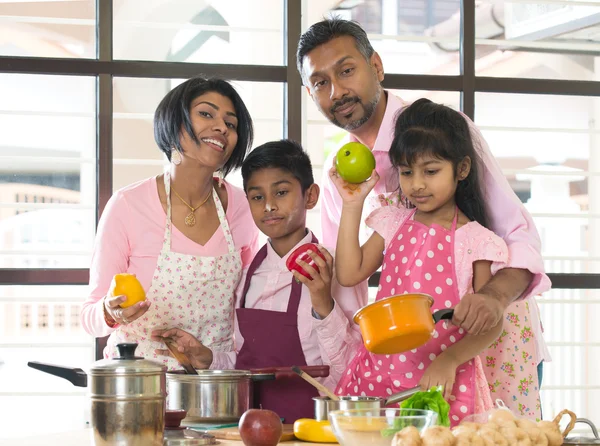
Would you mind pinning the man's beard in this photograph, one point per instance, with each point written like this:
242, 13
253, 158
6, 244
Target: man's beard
369, 109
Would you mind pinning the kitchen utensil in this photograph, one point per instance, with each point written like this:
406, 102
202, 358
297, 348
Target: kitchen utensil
376, 427
223, 395
398, 323
180, 357
127, 396
324, 405
233, 433
320, 387
180, 435
595, 440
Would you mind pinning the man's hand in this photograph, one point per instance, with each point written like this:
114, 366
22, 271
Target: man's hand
478, 313
320, 285
200, 356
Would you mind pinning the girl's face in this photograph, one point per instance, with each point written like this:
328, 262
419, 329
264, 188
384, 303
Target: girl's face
430, 183
214, 122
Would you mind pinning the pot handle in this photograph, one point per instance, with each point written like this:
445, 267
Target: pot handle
316, 371
443, 314
77, 377
401, 396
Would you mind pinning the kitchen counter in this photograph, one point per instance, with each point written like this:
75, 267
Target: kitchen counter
82, 438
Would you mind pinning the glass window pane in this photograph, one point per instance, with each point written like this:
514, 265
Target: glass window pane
136, 155
47, 170
411, 36
538, 40
48, 28
548, 148
573, 336
41, 323
224, 31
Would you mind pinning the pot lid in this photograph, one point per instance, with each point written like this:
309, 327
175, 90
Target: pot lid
126, 363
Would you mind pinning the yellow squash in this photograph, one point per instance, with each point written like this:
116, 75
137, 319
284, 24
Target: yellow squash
127, 285
307, 429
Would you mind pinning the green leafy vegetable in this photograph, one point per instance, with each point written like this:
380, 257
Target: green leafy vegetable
430, 400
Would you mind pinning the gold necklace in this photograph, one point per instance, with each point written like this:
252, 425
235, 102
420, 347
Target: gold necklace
190, 220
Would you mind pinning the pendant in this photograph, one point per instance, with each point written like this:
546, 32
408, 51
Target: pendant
190, 220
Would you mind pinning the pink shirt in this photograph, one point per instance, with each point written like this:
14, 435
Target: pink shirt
509, 218
130, 237
331, 341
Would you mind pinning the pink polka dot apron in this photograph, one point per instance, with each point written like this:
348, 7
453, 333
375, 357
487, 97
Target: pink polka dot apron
418, 260
193, 293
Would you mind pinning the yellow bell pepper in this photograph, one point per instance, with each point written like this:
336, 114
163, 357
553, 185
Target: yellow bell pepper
307, 429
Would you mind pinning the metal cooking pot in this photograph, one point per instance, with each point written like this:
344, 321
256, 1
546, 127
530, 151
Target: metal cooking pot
127, 396
223, 395
323, 405
399, 323
581, 441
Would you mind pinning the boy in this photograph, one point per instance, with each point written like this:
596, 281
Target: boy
283, 318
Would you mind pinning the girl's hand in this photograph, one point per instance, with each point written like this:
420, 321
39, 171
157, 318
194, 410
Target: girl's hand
199, 355
320, 284
441, 372
353, 193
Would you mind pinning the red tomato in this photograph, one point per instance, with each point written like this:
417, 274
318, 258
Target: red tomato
301, 253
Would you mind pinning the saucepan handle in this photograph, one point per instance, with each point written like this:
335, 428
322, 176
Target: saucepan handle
401, 396
316, 371
77, 377
443, 314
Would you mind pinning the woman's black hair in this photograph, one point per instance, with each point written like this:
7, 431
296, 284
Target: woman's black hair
284, 154
434, 129
173, 114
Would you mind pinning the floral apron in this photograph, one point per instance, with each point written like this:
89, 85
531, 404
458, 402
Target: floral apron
420, 259
193, 293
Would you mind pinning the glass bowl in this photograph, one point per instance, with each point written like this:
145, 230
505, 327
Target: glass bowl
359, 427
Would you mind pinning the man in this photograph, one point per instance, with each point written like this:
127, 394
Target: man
342, 73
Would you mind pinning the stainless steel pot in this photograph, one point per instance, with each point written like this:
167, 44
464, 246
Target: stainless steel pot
323, 404
127, 396
223, 395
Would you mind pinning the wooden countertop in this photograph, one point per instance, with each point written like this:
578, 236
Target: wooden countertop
82, 438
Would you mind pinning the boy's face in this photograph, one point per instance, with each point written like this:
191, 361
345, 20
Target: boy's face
277, 203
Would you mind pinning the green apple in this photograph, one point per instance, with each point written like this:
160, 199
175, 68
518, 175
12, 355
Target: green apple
354, 162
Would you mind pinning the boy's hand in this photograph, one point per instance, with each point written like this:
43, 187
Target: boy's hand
200, 356
353, 193
441, 372
320, 285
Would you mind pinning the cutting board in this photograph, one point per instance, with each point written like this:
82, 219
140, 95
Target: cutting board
233, 433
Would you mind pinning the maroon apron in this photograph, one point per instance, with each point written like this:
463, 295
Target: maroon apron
271, 339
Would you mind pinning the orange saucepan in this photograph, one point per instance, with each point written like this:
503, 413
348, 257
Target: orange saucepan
400, 323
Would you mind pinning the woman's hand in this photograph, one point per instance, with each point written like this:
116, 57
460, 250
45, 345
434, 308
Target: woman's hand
199, 355
441, 372
320, 284
123, 316
353, 193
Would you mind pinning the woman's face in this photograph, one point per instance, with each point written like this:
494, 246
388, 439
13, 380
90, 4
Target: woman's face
214, 123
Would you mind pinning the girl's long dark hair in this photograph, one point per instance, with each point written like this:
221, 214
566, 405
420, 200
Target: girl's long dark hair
427, 128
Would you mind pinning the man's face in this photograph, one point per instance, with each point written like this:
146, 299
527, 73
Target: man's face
343, 84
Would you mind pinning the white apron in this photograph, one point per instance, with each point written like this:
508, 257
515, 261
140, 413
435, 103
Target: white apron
195, 294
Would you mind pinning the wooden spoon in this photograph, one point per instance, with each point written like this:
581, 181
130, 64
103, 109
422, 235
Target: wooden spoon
181, 357
305, 376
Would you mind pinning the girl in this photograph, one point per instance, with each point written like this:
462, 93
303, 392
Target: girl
437, 244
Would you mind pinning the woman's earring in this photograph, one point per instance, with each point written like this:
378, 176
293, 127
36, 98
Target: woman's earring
175, 157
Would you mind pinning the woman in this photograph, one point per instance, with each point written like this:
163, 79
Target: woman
184, 234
